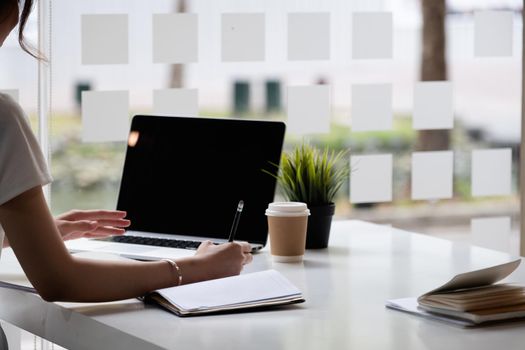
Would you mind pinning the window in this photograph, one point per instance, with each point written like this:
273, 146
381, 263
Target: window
313, 65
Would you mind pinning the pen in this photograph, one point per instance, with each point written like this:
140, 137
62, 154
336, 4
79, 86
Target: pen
236, 220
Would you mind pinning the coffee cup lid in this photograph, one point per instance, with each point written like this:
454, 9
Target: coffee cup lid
287, 209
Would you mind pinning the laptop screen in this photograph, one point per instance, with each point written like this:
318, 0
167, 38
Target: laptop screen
186, 175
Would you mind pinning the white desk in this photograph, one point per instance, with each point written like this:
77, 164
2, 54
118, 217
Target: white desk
345, 287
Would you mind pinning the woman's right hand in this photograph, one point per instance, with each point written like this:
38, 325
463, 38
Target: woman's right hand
228, 259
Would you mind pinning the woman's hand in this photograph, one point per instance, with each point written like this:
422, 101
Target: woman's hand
91, 223
217, 261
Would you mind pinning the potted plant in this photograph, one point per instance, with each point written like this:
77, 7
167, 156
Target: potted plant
312, 176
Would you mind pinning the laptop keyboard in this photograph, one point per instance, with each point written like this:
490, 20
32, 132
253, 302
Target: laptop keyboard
159, 242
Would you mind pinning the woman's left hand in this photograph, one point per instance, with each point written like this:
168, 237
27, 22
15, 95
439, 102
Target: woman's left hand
91, 223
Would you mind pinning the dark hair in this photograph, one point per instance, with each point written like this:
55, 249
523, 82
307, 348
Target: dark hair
26, 11
7, 7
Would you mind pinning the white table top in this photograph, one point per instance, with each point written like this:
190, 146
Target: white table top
345, 287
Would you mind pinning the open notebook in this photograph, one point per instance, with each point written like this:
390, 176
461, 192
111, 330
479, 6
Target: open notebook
251, 290
471, 298
246, 291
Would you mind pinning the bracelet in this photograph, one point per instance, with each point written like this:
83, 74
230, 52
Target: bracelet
176, 268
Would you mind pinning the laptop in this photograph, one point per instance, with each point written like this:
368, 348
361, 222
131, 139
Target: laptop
183, 179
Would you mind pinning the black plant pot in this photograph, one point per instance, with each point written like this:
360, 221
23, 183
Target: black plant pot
319, 223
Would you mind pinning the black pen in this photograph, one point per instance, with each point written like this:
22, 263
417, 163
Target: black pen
236, 220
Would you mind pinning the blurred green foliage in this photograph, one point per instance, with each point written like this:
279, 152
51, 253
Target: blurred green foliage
88, 175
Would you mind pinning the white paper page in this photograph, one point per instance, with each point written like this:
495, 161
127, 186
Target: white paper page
432, 174
492, 233
14, 93
410, 305
231, 290
309, 36
478, 278
371, 107
491, 172
493, 33
105, 116
175, 38
176, 102
433, 105
372, 35
308, 109
105, 39
243, 37
371, 178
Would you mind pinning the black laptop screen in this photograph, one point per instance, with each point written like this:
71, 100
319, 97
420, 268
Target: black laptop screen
186, 175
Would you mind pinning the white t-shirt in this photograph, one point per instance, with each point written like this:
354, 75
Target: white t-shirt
22, 164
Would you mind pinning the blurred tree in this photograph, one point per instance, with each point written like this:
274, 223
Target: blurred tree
177, 70
433, 66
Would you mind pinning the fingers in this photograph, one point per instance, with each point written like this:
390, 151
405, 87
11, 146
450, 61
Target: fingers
248, 258
103, 231
205, 244
98, 215
114, 223
246, 247
91, 229
203, 247
237, 251
92, 223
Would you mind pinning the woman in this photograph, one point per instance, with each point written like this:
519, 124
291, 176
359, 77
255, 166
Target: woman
37, 238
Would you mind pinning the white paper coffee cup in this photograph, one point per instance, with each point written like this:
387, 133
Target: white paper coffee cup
287, 224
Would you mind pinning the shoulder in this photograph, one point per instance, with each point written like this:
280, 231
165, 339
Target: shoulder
15, 130
22, 164
11, 114
8, 104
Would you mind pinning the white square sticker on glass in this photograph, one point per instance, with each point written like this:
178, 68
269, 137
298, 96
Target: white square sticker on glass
492, 233
491, 173
433, 105
308, 109
371, 107
105, 116
371, 178
13, 93
176, 102
243, 37
493, 33
175, 38
432, 175
105, 39
372, 35
308, 36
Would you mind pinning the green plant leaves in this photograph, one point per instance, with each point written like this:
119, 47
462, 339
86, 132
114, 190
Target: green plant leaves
311, 176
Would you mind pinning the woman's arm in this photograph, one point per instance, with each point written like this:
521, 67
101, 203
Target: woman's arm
57, 275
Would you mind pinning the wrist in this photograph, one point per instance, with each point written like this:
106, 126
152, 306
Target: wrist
191, 269
175, 271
